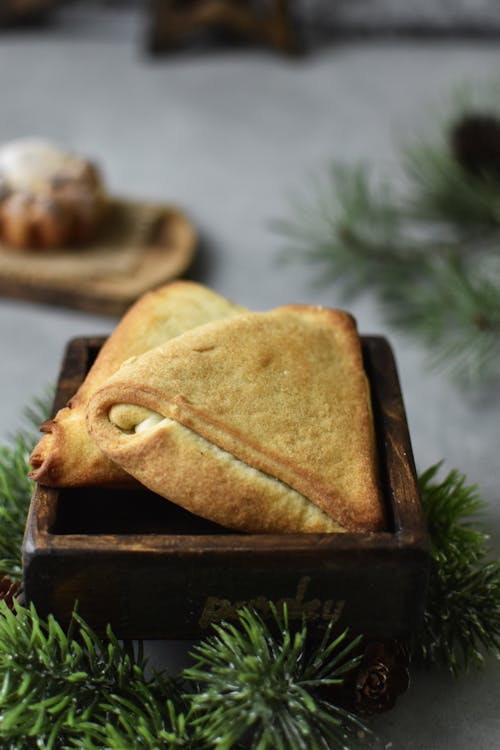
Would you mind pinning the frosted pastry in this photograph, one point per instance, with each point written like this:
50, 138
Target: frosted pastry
261, 422
66, 456
48, 197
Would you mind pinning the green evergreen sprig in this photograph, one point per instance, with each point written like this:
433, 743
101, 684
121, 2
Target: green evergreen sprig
16, 488
157, 725
426, 244
462, 616
153, 722
261, 688
70, 689
58, 686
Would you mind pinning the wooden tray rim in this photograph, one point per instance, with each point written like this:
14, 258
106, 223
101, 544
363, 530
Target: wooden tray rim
409, 537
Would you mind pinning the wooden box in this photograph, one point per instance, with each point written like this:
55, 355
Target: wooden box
153, 570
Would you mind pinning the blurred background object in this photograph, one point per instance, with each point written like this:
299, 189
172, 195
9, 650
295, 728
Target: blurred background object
14, 12
268, 22
283, 24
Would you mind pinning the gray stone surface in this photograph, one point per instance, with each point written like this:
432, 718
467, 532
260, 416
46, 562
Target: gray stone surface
229, 135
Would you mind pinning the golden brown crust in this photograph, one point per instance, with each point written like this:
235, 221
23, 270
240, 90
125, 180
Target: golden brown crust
283, 392
65, 456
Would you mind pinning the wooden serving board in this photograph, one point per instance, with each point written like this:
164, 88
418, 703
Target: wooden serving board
153, 570
139, 246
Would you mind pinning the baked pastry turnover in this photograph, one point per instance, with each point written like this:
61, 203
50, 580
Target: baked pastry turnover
66, 456
260, 422
48, 198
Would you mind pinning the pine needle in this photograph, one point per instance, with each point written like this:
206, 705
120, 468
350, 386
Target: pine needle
260, 687
462, 619
427, 248
16, 488
69, 688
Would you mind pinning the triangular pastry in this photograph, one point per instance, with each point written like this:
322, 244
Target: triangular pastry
66, 456
261, 422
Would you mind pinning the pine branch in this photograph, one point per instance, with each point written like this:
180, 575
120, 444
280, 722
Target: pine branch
442, 192
351, 228
63, 688
71, 690
427, 249
261, 688
16, 488
457, 317
462, 618
157, 724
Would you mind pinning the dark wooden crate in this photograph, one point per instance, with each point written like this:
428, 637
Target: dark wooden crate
153, 570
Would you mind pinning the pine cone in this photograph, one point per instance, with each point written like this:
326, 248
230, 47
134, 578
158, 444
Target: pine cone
381, 677
475, 142
375, 684
9, 590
